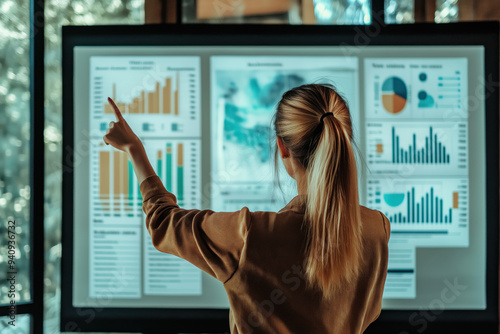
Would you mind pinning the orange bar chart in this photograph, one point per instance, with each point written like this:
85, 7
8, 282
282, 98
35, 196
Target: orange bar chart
143, 102
124, 166
167, 96
158, 101
115, 186
176, 95
133, 108
122, 106
117, 171
108, 109
104, 190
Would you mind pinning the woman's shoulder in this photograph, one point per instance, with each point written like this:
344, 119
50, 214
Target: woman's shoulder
375, 219
367, 210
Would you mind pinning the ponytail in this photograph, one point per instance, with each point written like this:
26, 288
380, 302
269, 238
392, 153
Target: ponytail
332, 216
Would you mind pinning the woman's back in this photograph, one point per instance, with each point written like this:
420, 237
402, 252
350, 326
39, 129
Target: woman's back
268, 292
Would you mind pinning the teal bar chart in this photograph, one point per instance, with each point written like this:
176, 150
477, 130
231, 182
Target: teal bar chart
434, 212
434, 151
438, 149
426, 209
178, 164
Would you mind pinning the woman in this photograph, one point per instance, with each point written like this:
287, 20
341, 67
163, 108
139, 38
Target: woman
316, 266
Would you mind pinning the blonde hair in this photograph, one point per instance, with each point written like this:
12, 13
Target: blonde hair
324, 148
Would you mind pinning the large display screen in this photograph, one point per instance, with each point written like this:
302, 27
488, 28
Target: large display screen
204, 115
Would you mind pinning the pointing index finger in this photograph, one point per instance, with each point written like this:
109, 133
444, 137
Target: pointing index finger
118, 114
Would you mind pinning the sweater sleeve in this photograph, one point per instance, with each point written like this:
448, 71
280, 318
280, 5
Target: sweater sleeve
212, 241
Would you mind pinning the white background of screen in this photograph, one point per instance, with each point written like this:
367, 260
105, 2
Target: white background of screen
437, 267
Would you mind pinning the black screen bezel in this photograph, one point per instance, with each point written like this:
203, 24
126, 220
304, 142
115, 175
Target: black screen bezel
167, 320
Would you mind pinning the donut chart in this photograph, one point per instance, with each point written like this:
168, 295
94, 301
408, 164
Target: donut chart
394, 95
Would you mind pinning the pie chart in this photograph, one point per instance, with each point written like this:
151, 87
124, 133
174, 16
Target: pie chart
394, 95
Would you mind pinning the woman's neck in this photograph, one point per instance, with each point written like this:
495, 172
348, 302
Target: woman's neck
300, 177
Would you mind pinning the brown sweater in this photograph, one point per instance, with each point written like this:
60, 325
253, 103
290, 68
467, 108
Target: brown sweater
259, 257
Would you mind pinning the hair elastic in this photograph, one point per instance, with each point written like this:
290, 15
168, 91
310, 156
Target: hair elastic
326, 115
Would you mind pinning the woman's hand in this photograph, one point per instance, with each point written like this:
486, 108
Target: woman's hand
119, 134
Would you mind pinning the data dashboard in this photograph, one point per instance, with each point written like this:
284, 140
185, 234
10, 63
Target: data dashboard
205, 119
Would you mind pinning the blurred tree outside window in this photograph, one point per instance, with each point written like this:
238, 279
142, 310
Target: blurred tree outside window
15, 146
399, 11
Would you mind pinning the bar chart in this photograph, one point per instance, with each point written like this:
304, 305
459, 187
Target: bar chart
115, 193
419, 206
441, 148
178, 164
426, 209
434, 151
159, 96
163, 100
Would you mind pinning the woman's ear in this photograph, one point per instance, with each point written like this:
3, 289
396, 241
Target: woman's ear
282, 148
